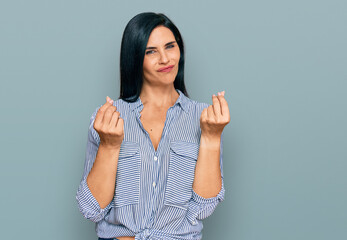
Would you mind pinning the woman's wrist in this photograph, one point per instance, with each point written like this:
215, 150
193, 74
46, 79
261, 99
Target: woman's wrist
109, 148
210, 141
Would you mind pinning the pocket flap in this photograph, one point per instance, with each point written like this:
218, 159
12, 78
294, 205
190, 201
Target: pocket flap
128, 149
185, 148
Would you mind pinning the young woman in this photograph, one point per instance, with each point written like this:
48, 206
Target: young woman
153, 167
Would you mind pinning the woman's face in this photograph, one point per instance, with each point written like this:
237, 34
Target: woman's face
162, 52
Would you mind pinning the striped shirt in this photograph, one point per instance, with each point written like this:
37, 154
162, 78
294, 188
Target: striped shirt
154, 198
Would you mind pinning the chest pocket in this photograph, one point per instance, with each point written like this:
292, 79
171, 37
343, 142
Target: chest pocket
127, 189
183, 157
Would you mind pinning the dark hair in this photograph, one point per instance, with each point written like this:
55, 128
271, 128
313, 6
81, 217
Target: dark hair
133, 47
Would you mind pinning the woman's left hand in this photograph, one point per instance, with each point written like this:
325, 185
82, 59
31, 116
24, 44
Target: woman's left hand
215, 117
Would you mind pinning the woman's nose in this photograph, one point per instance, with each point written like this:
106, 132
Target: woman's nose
163, 58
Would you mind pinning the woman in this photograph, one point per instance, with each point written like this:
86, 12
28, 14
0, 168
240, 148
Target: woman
153, 166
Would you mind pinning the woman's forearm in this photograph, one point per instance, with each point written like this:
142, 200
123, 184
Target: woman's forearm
208, 181
102, 177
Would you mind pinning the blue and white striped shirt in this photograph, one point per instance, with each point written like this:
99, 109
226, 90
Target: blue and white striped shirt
154, 198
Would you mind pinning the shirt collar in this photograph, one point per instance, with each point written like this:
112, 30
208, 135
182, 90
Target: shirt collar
183, 101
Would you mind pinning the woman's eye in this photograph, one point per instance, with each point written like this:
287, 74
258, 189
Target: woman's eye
153, 51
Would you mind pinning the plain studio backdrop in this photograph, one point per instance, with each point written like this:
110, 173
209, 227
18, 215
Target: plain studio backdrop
282, 64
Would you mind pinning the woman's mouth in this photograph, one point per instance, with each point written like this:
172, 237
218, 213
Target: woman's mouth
166, 69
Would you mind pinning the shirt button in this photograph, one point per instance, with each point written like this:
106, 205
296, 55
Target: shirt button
155, 158
153, 184
194, 222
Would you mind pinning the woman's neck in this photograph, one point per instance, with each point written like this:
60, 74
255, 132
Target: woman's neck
159, 96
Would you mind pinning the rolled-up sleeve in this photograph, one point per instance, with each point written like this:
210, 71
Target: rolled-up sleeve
88, 205
199, 207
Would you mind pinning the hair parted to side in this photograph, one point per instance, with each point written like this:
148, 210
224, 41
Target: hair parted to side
132, 53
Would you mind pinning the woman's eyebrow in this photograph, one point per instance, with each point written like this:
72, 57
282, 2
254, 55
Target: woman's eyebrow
165, 45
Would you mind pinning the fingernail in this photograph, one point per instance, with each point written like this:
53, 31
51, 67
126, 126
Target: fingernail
108, 99
213, 95
219, 94
223, 92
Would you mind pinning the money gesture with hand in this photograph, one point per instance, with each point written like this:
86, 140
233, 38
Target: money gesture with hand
215, 117
109, 125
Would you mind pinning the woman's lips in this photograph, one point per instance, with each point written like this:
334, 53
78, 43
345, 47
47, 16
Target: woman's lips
166, 69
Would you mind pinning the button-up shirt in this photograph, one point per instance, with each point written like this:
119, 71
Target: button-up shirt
154, 198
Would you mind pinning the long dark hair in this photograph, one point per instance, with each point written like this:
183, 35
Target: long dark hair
134, 43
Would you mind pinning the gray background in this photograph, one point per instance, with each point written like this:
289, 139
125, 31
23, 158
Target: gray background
281, 63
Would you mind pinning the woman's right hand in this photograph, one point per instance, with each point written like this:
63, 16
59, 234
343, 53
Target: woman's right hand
109, 125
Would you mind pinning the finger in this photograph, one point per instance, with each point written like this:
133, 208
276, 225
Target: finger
108, 115
216, 106
120, 124
114, 119
203, 115
101, 111
224, 106
100, 114
210, 113
108, 99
